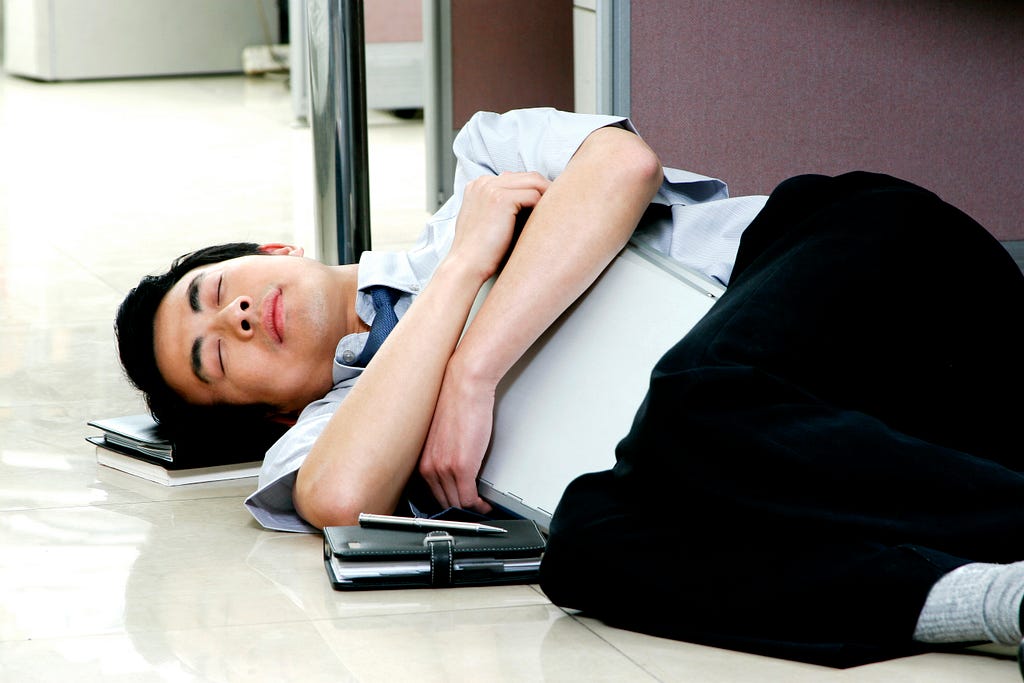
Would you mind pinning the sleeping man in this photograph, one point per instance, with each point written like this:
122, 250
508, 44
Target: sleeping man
839, 423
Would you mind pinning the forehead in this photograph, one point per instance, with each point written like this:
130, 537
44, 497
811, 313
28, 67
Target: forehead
174, 333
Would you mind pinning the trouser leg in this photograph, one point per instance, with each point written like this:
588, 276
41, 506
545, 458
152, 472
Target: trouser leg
824, 445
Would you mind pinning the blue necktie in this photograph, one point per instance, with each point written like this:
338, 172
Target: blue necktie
384, 321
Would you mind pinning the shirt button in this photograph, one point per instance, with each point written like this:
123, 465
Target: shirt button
347, 357
415, 288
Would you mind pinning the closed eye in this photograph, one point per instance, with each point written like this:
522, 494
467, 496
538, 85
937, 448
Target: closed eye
220, 356
192, 293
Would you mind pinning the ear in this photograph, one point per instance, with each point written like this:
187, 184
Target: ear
287, 419
278, 249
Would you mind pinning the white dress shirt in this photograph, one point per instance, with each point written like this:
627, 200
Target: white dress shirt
699, 227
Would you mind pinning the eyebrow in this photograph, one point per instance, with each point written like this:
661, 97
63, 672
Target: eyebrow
193, 292
197, 345
197, 360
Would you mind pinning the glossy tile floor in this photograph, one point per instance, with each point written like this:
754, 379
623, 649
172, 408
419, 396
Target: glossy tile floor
104, 577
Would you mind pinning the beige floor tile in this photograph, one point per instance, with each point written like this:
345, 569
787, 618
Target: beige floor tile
484, 645
254, 654
674, 662
536, 643
37, 479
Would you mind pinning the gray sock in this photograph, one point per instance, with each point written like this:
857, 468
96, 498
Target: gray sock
975, 602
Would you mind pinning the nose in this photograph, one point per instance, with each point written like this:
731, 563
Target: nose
236, 319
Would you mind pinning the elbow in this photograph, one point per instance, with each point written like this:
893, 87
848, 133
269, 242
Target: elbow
321, 505
627, 159
641, 166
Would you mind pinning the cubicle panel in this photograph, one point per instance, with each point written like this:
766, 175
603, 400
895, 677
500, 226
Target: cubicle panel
755, 91
495, 56
508, 54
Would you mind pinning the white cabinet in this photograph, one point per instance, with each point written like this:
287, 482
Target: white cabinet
82, 39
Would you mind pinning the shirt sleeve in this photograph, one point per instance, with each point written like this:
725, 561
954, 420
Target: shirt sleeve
272, 503
541, 139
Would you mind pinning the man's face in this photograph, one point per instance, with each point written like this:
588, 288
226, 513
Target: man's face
250, 330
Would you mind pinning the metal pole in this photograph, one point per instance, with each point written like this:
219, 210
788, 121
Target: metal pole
437, 109
337, 98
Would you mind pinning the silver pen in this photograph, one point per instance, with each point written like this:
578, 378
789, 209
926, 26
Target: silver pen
367, 519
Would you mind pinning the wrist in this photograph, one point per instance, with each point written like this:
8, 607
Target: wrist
473, 371
460, 265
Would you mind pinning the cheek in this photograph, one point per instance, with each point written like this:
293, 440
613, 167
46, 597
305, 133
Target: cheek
307, 325
302, 379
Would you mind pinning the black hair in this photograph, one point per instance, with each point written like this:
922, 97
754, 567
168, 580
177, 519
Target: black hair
134, 330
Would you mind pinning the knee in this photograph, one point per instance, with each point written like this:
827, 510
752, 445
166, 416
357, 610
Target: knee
572, 573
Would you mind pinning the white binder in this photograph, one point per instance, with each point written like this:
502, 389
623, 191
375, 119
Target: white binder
561, 410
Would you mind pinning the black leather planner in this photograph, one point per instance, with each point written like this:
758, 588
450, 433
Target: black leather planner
360, 558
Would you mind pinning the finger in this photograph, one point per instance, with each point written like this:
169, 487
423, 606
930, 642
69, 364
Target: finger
469, 497
496, 185
439, 494
530, 176
481, 506
451, 492
429, 474
531, 180
442, 483
436, 489
523, 197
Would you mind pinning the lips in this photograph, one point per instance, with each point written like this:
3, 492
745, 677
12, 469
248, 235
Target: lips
272, 315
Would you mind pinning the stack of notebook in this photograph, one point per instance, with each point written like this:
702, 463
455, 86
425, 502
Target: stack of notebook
136, 445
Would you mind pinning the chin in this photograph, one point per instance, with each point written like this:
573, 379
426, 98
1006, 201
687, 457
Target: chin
317, 392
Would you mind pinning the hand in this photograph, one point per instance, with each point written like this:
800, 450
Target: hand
457, 441
490, 204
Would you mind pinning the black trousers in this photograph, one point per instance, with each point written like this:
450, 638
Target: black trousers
835, 435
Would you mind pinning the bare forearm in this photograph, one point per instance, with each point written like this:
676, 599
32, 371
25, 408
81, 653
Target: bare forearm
365, 455
368, 450
583, 220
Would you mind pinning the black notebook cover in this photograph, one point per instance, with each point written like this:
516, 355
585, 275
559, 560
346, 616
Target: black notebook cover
368, 558
206, 445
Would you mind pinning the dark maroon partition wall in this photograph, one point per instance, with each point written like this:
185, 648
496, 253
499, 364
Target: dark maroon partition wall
508, 54
754, 91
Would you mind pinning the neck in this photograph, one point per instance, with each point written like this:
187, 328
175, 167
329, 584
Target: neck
347, 278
